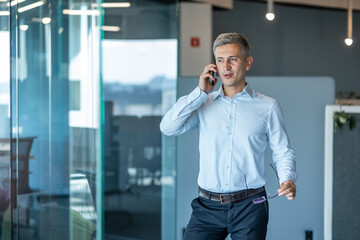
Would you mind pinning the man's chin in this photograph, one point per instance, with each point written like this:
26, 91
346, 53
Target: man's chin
228, 83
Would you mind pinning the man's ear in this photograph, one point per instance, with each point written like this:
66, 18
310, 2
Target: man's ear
249, 62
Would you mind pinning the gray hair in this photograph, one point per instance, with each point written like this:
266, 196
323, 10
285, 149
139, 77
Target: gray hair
233, 38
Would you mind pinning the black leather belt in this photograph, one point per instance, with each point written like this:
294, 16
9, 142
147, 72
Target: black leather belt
230, 197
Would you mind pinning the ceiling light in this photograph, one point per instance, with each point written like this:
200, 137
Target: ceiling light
24, 27
270, 16
349, 39
110, 28
46, 20
15, 2
116, 5
30, 6
113, 5
270, 10
81, 12
37, 20
4, 13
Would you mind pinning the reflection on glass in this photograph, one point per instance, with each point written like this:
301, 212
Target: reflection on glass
83, 198
139, 75
56, 122
133, 157
135, 92
5, 181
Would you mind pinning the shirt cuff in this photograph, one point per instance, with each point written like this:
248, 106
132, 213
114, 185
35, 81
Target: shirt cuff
289, 177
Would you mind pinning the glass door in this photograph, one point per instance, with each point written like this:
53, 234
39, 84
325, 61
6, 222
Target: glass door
56, 108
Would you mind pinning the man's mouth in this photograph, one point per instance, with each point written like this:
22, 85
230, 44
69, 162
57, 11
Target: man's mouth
228, 75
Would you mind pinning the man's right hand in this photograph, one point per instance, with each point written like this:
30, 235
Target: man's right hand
204, 80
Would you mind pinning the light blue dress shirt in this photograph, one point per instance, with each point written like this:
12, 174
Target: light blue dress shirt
234, 134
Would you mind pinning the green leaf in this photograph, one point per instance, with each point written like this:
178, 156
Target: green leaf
340, 118
343, 119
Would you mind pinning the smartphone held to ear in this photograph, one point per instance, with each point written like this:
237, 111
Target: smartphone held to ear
214, 75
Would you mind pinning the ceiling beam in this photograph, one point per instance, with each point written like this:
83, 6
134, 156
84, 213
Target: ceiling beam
339, 4
228, 4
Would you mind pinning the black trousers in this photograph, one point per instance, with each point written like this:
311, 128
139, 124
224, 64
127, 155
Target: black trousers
211, 220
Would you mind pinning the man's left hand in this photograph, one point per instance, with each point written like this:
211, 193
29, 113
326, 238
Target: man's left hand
287, 189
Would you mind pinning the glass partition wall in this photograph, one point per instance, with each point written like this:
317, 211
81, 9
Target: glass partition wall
139, 62
5, 180
56, 125
84, 85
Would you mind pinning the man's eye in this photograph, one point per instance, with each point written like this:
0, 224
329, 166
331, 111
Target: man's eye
233, 59
219, 60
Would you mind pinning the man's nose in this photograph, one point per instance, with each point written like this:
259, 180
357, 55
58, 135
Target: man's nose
227, 65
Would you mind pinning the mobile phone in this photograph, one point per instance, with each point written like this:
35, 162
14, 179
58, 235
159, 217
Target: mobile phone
214, 75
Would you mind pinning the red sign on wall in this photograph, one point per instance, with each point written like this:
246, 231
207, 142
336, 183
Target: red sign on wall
195, 42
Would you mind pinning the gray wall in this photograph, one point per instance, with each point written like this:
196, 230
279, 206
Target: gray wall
346, 165
303, 100
301, 41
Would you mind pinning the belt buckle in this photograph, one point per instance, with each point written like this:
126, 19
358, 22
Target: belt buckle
223, 198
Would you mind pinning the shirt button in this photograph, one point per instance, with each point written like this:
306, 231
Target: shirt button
228, 166
229, 149
227, 184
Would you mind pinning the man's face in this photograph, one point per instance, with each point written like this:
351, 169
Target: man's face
231, 64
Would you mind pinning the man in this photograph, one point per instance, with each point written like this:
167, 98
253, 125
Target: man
236, 123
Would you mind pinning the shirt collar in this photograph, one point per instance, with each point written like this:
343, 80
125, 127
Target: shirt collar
247, 90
